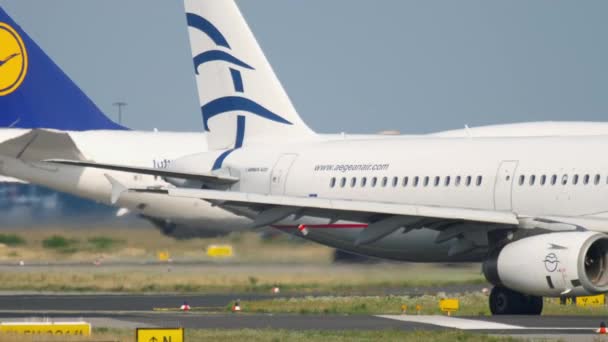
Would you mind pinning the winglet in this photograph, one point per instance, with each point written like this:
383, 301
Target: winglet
118, 189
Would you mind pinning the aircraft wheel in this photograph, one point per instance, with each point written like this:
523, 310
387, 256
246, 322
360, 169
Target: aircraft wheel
504, 301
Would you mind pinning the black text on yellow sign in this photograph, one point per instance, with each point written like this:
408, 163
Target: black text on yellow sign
44, 328
159, 335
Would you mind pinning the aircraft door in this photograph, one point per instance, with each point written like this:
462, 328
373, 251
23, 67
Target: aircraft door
280, 172
504, 185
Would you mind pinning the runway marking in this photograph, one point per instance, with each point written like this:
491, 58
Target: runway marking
472, 324
452, 322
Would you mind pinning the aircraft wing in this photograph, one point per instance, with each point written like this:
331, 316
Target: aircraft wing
312, 203
203, 177
382, 218
41, 144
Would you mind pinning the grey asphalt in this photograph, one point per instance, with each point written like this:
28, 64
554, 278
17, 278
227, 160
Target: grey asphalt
542, 327
109, 302
120, 311
132, 302
228, 321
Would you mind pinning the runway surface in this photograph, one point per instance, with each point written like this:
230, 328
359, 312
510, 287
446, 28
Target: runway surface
130, 311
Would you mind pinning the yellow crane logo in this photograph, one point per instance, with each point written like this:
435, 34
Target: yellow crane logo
13, 60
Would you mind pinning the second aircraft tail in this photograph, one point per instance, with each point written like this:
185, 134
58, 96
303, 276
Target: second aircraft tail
36, 93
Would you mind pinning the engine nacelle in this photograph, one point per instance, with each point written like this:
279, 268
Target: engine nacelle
553, 264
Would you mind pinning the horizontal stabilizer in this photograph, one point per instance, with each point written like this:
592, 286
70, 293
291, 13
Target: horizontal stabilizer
41, 144
5, 180
164, 173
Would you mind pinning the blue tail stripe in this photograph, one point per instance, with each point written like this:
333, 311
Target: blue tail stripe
208, 28
220, 160
240, 136
240, 131
237, 80
47, 97
217, 55
236, 103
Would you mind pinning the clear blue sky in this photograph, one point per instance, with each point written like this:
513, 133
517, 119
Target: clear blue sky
348, 65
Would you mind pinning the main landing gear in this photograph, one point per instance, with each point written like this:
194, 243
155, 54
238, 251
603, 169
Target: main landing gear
504, 301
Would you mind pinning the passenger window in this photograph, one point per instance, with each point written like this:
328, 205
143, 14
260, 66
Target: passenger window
532, 179
522, 179
586, 179
447, 181
332, 182
543, 179
384, 182
374, 182
437, 180
405, 181
457, 181
363, 182
479, 180
416, 181
597, 179
468, 183
395, 181
353, 182
426, 181
553, 179
343, 182
564, 179
575, 180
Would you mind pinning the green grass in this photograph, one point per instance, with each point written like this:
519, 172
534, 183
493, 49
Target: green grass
264, 335
12, 240
251, 335
60, 243
103, 243
471, 304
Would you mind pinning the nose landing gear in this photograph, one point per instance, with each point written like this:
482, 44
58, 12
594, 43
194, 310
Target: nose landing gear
504, 301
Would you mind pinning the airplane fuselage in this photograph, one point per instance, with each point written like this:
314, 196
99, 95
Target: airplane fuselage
561, 179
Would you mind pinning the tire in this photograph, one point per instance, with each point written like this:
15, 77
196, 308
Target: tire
535, 305
504, 301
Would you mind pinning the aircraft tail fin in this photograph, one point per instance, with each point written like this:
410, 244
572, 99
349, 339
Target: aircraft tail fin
242, 100
35, 92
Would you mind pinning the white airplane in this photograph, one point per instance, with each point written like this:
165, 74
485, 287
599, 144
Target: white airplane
50, 117
530, 208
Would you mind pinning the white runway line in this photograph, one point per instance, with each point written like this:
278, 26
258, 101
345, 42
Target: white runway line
452, 322
472, 324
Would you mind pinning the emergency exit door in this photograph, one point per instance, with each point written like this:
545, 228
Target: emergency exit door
504, 185
280, 172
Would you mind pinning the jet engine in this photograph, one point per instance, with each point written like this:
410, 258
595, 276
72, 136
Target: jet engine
552, 264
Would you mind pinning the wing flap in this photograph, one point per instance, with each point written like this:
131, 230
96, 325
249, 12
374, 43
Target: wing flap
346, 206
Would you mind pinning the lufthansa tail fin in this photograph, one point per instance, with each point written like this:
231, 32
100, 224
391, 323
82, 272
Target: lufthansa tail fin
36, 93
242, 100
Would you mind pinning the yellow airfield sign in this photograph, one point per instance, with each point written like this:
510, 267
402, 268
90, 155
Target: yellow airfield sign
449, 305
47, 328
220, 251
163, 256
598, 300
159, 335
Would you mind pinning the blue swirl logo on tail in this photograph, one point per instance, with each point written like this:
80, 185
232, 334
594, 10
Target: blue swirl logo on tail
228, 103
